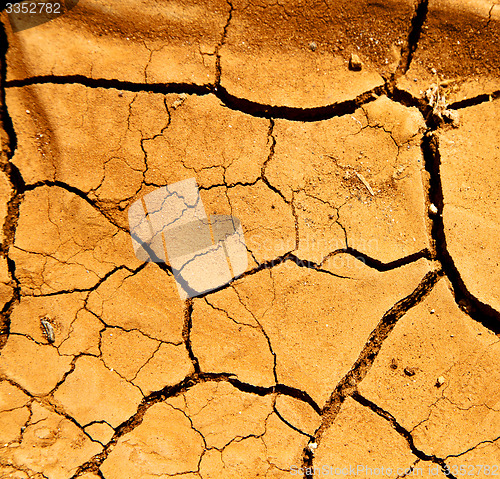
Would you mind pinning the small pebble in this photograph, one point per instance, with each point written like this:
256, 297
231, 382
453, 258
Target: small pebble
440, 381
409, 371
433, 209
432, 311
355, 63
313, 46
313, 445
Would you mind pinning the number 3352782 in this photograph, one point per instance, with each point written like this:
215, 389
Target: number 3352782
33, 8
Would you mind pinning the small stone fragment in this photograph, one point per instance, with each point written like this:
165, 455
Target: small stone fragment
180, 100
440, 381
313, 46
433, 209
355, 63
394, 364
409, 371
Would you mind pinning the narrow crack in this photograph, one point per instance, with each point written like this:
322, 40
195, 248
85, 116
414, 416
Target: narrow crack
347, 387
15, 178
218, 70
186, 335
232, 102
264, 333
411, 46
194, 379
479, 311
489, 441
399, 429
477, 100
377, 264
290, 425
81, 194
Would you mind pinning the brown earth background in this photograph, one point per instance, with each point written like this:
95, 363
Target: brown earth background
357, 142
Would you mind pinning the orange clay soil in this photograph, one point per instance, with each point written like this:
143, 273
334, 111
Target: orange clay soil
357, 143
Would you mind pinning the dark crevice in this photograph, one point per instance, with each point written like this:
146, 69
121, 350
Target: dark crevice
9, 145
405, 98
302, 263
84, 196
93, 287
348, 384
372, 347
479, 311
403, 432
119, 85
400, 429
93, 464
477, 100
291, 425
269, 264
278, 388
382, 267
171, 391
218, 71
409, 49
294, 113
235, 103
186, 335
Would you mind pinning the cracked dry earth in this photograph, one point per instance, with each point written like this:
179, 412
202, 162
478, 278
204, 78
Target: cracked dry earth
364, 333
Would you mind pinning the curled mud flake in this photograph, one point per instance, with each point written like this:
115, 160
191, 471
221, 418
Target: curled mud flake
48, 329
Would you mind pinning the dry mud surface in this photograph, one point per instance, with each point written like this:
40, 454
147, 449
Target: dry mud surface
358, 144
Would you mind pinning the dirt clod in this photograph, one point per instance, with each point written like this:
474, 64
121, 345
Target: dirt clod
355, 63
